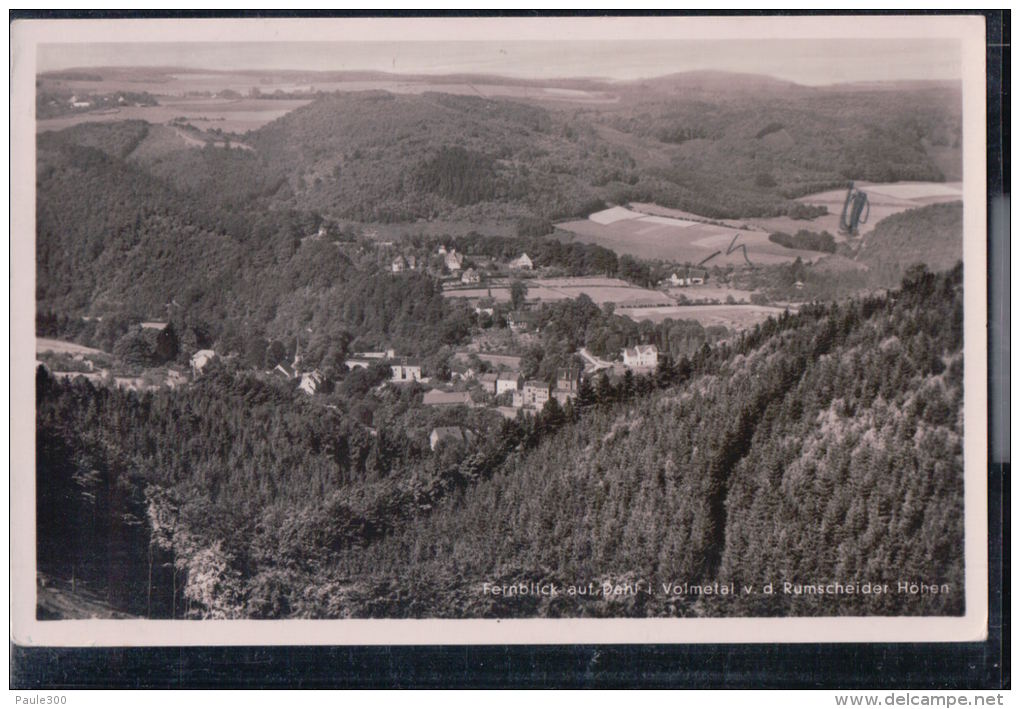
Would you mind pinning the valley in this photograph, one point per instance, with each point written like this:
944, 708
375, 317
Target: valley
301, 335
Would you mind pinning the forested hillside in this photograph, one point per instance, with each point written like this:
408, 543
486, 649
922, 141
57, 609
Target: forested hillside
932, 234
715, 147
117, 243
819, 447
823, 447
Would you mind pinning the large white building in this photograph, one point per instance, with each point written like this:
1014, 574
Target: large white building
507, 381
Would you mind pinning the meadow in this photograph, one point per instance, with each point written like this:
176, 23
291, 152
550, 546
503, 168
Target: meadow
550, 290
229, 116
627, 231
885, 200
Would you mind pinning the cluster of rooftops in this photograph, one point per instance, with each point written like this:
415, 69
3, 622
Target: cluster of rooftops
454, 263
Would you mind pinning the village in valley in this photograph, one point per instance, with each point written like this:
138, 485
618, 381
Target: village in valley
320, 343
511, 358
486, 373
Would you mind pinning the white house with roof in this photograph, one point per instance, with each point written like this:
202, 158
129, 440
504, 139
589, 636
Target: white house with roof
507, 381
641, 356
534, 394
520, 320
310, 381
284, 370
453, 260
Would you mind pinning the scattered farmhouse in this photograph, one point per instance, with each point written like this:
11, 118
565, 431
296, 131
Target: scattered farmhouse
691, 277
520, 320
200, 360
507, 381
404, 263
444, 434
534, 394
365, 359
310, 381
435, 397
568, 380
641, 356
521, 263
385, 354
154, 325
453, 260
404, 371
284, 370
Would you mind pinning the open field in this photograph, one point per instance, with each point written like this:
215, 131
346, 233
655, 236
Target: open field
735, 317
236, 116
710, 292
885, 199
658, 210
600, 290
651, 231
627, 231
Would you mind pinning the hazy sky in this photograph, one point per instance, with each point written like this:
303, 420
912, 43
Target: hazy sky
803, 61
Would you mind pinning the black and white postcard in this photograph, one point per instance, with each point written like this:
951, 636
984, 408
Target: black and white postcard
498, 330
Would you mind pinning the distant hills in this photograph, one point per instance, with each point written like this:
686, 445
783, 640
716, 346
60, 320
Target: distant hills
116, 198
715, 80
722, 146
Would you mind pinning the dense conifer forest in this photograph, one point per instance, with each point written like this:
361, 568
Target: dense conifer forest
233, 498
